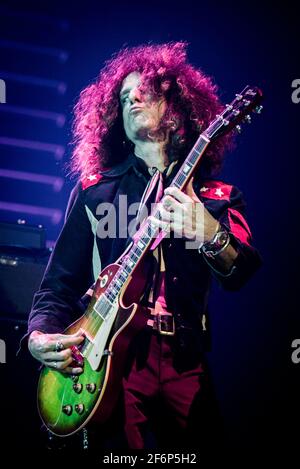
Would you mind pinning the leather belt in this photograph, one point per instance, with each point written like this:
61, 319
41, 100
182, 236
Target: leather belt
162, 323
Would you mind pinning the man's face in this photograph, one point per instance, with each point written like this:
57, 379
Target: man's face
141, 113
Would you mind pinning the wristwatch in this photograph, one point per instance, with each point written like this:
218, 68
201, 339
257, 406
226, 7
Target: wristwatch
217, 244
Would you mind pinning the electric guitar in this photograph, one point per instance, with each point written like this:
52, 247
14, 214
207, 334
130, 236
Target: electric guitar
67, 403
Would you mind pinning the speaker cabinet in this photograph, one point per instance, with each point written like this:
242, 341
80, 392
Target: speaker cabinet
21, 272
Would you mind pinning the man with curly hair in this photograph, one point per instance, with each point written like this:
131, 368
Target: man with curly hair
141, 117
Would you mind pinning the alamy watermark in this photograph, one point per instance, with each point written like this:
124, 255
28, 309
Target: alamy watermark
2, 351
296, 353
2, 91
296, 93
114, 223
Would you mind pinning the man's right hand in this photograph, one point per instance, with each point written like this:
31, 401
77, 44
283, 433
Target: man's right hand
43, 348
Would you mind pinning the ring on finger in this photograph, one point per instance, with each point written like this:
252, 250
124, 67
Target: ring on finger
59, 346
55, 365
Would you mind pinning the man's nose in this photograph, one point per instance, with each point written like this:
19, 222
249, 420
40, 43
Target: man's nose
135, 95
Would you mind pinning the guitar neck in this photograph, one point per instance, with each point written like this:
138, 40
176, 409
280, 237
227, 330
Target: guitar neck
147, 232
191, 162
234, 113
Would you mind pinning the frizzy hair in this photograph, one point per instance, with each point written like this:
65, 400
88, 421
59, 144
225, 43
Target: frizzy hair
98, 136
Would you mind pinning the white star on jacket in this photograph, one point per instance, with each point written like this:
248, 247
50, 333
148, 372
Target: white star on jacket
219, 192
92, 177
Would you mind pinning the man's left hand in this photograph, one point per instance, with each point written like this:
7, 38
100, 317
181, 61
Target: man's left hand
186, 215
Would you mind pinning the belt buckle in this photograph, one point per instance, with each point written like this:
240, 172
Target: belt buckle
160, 322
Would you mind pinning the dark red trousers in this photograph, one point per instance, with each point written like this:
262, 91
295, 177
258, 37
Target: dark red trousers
153, 378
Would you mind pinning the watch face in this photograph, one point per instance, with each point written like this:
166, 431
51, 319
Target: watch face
220, 240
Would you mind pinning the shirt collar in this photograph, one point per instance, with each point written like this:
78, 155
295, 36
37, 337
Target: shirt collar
139, 165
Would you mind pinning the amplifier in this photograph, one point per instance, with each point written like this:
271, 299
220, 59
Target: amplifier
21, 272
22, 235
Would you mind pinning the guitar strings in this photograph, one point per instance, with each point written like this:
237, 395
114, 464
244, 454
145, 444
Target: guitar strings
102, 307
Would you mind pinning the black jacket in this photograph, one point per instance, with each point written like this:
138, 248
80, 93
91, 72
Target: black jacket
80, 254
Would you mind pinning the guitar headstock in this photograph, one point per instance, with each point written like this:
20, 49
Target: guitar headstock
236, 112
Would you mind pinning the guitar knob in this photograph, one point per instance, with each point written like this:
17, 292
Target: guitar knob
77, 388
79, 408
248, 119
91, 387
67, 409
75, 378
238, 128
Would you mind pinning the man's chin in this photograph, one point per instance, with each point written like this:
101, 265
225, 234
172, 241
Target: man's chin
142, 132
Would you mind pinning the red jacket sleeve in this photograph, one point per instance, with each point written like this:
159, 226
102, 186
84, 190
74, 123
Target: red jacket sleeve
232, 217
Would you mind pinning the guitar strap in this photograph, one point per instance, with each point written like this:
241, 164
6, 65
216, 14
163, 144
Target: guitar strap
142, 210
156, 182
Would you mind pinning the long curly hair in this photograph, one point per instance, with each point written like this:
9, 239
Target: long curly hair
98, 135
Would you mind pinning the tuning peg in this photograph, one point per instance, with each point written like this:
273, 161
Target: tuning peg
238, 129
258, 109
247, 119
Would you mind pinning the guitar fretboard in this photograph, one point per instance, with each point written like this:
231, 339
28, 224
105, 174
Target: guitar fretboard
148, 231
